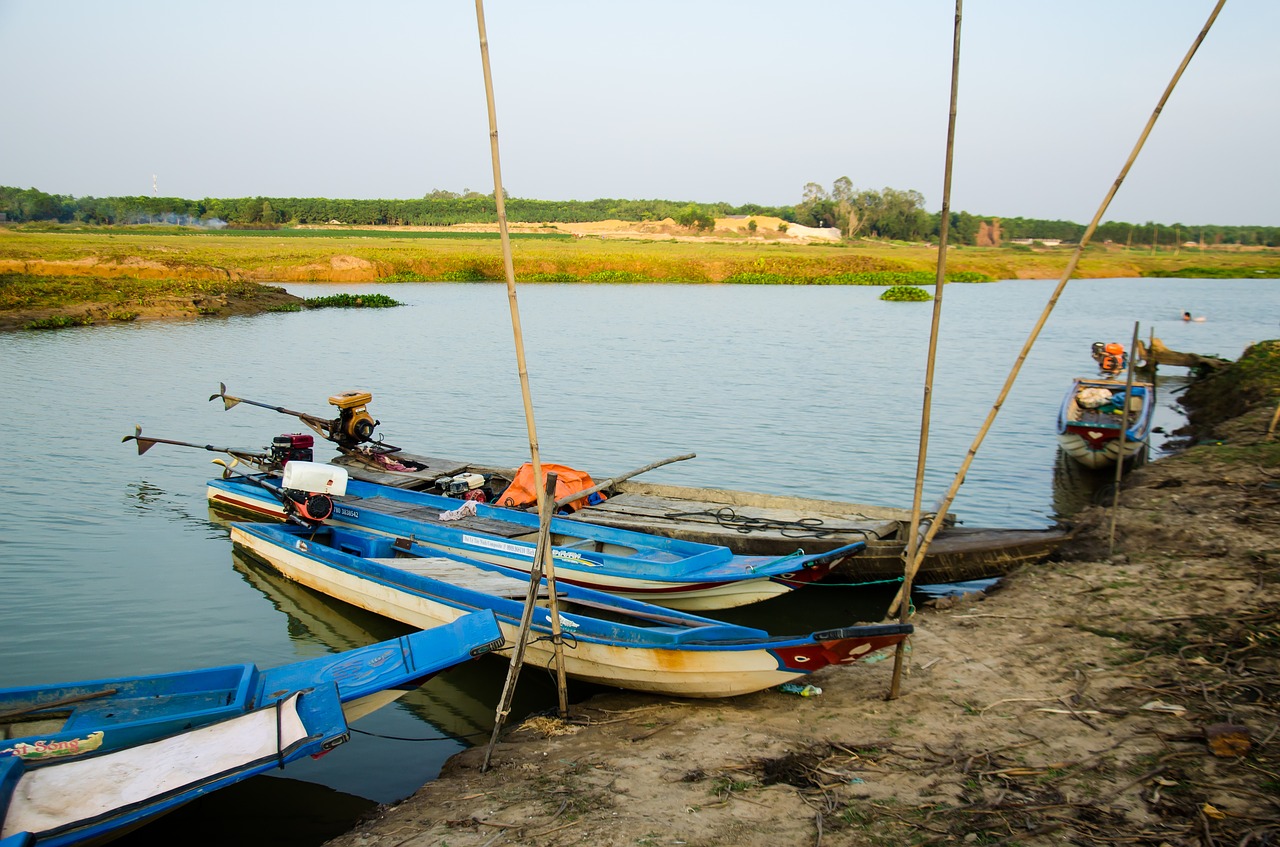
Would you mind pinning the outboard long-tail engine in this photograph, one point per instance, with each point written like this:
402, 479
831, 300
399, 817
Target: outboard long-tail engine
291, 447
309, 489
354, 425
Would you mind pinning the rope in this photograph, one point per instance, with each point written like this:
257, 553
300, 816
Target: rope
889, 581
428, 738
729, 519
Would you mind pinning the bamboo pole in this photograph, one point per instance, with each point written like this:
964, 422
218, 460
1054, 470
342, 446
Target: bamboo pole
939, 283
614, 480
949, 497
1124, 431
526, 622
509, 271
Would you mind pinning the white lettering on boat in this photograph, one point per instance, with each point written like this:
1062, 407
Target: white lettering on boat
519, 550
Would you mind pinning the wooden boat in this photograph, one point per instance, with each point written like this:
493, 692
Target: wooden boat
673, 572
87, 761
752, 523
610, 640
1093, 414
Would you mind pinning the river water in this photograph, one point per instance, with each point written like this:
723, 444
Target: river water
111, 563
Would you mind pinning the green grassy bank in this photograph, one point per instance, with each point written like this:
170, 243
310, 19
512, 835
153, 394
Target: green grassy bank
371, 256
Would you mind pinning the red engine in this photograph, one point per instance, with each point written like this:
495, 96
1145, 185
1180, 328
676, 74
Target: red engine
291, 447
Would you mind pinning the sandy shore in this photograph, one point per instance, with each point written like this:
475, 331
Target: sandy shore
1077, 704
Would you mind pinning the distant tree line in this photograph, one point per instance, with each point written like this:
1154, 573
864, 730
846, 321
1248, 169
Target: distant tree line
858, 213
901, 216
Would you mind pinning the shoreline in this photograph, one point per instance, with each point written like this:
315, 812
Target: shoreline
1076, 702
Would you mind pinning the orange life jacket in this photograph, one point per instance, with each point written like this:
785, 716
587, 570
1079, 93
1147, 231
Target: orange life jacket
523, 489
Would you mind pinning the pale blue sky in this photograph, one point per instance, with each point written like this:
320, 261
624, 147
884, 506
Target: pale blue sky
742, 102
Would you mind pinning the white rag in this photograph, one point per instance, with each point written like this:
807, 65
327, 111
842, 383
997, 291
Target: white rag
466, 510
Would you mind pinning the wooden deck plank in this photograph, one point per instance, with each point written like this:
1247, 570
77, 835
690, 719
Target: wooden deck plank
678, 514
511, 586
489, 526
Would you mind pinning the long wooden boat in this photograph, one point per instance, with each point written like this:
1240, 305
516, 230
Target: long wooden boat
1093, 414
673, 572
87, 761
753, 523
610, 640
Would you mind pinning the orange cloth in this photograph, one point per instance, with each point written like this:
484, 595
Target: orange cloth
523, 489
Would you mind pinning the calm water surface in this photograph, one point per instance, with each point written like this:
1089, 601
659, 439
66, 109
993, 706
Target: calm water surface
112, 565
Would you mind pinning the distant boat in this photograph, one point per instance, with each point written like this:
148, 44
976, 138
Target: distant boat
610, 640
89, 761
679, 574
1093, 414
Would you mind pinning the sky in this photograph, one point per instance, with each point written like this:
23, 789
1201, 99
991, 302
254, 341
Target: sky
687, 100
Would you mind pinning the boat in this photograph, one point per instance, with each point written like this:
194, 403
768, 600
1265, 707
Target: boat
677, 573
88, 761
1095, 412
609, 640
754, 523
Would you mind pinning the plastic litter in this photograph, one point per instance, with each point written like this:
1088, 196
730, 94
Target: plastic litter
802, 690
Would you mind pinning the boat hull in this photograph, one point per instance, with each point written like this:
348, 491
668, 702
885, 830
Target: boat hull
1090, 429
703, 670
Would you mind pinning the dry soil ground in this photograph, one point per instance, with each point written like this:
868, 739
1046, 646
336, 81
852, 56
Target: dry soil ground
1113, 697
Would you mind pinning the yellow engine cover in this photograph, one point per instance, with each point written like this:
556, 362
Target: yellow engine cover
350, 399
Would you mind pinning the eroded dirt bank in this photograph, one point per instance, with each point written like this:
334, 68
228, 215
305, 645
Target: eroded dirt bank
1081, 703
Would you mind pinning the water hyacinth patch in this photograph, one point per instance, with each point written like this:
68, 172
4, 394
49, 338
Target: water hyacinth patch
352, 301
906, 293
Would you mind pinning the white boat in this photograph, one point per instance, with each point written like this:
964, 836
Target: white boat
609, 640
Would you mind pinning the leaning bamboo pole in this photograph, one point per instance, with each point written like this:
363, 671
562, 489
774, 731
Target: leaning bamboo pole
939, 283
509, 269
949, 497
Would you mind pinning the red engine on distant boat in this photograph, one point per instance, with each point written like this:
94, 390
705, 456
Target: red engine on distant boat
291, 447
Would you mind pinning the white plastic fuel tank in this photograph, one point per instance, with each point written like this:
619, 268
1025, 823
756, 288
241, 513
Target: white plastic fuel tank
316, 477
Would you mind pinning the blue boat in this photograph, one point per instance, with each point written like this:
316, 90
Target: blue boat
1095, 412
610, 640
675, 573
88, 761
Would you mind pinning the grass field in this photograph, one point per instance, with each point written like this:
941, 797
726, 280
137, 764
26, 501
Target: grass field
379, 255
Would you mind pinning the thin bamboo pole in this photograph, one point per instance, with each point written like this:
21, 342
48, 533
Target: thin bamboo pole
949, 497
939, 283
509, 270
1124, 432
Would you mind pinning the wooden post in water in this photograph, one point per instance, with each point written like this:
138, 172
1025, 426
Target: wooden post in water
958, 480
940, 281
509, 270
1124, 431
